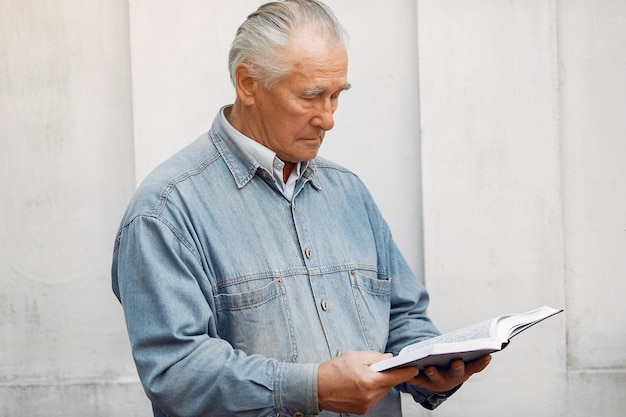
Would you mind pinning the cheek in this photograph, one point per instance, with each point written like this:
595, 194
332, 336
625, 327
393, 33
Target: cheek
290, 119
296, 120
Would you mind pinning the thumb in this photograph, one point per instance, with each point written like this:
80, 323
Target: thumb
403, 374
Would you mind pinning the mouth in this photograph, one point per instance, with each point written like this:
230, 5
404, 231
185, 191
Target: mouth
314, 138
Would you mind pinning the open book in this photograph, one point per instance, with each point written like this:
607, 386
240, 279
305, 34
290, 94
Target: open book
468, 343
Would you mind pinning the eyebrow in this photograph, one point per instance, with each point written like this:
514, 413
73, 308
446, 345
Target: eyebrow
320, 90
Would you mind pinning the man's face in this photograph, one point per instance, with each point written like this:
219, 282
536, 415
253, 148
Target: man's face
292, 117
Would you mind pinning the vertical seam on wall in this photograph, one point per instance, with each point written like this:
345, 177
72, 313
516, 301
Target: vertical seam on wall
132, 93
421, 273
562, 162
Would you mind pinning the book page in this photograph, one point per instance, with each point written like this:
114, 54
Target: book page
480, 330
511, 325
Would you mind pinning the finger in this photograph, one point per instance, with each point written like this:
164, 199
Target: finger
452, 376
434, 375
477, 365
403, 374
457, 370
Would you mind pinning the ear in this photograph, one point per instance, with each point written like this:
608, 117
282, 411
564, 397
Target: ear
245, 84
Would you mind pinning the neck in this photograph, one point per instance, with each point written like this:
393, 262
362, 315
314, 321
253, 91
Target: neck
287, 169
235, 117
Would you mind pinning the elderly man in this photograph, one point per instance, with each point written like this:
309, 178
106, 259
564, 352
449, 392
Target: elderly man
258, 279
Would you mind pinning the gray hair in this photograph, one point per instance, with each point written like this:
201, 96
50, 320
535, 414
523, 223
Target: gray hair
262, 40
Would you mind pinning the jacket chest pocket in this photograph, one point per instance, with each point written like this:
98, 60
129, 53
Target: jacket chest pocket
257, 321
372, 299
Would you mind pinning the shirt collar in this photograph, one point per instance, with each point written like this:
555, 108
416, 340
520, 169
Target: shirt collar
265, 157
241, 165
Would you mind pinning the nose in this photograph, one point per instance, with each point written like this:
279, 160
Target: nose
324, 115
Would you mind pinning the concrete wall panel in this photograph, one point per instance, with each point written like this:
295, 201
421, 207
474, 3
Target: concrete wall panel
492, 206
593, 68
66, 173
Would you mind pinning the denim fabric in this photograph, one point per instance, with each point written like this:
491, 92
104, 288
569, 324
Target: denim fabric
233, 294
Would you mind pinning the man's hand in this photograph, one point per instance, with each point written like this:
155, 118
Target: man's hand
347, 384
439, 380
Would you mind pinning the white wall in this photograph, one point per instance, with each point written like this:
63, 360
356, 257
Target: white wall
593, 77
492, 201
65, 166
519, 105
523, 155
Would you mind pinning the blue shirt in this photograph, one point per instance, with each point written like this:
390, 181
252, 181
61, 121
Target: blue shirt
233, 294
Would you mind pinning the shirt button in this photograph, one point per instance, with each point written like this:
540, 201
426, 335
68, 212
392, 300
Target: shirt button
324, 304
278, 164
307, 253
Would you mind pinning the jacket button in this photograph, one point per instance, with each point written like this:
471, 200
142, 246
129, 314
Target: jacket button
324, 304
307, 253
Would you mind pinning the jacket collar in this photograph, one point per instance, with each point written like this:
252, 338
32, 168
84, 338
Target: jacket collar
242, 167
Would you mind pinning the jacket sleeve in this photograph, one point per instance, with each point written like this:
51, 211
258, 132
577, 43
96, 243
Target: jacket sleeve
409, 322
185, 368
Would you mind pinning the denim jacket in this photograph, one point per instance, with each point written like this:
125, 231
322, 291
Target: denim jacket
233, 294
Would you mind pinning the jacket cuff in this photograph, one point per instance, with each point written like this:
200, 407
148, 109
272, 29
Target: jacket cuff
295, 389
433, 400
